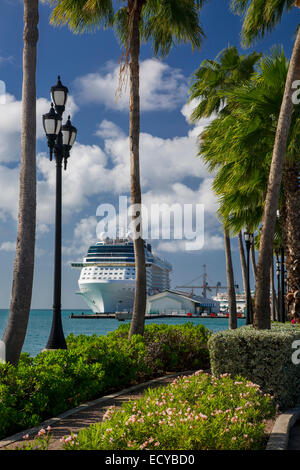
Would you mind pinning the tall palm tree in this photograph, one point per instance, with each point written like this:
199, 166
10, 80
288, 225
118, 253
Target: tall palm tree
15, 332
290, 226
163, 24
260, 17
211, 83
230, 282
240, 143
243, 260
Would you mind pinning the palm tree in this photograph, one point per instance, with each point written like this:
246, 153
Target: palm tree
15, 332
214, 78
290, 225
260, 17
240, 143
262, 104
243, 260
230, 281
162, 23
239, 205
211, 83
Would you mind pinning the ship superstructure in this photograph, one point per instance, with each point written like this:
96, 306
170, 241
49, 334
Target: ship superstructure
107, 278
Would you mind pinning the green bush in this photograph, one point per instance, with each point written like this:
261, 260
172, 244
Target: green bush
54, 381
198, 412
264, 357
179, 347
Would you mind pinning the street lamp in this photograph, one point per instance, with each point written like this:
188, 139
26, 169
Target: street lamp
282, 285
281, 299
278, 287
60, 141
249, 238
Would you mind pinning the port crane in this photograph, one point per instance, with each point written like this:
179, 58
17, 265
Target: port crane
204, 285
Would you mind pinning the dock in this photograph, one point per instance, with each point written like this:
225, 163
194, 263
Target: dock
98, 316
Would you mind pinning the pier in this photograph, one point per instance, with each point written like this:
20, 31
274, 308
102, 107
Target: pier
97, 316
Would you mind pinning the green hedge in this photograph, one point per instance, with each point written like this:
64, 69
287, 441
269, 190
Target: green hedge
264, 357
54, 381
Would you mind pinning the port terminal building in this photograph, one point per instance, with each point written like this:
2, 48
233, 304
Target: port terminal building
175, 302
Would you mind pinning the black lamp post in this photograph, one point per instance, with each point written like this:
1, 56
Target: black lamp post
281, 269
282, 285
278, 287
60, 141
249, 237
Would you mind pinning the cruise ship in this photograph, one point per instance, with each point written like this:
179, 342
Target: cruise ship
107, 277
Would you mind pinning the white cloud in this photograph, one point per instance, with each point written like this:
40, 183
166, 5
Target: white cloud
9, 183
161, 87
198, 128
211, 243
8, 246
4, 60
85, 177
10, 125
10, 151
109, 130
84, 236
165, 163
162, 161
177, 193
184, 196
92, 171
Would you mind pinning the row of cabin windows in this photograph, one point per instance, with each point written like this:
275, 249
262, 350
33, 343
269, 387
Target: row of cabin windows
110, 273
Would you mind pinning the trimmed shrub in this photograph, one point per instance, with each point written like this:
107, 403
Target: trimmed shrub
179, 347
264, 357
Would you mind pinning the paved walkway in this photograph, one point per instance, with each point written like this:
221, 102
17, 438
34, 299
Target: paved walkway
94, 414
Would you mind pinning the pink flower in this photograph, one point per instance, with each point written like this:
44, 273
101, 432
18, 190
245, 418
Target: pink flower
26, 436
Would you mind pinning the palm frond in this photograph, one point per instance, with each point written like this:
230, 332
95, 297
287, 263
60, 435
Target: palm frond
171, 22
260, 16
82, 15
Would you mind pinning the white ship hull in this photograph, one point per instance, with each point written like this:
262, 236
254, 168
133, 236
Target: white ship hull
109, 296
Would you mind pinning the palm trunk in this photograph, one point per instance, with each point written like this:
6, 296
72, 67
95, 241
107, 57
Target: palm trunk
230, 283
15, 332
262, 304
291, 229
139, 308
243, 261
253, 260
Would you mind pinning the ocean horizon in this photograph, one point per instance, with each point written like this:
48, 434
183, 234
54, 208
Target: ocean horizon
40, 321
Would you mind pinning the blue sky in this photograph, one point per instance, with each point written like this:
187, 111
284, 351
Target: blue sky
98, 168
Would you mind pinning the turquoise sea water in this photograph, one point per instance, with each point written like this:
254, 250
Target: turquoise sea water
40, 324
